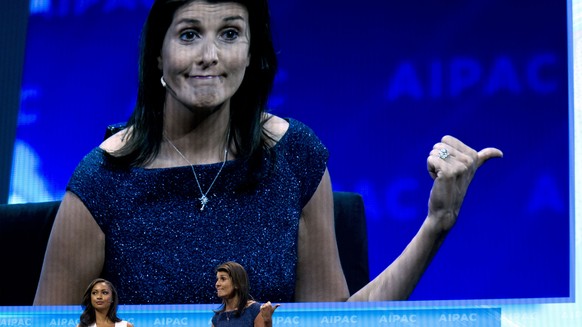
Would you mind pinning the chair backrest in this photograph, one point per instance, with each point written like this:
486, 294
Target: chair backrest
24, 233
352, 238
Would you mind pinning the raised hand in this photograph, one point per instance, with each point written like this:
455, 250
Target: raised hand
452, 165
267, 310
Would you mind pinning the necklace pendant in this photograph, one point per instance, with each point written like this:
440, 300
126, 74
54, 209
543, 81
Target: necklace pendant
203, 201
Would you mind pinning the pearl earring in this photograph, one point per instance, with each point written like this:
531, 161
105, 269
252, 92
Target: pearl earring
163, 81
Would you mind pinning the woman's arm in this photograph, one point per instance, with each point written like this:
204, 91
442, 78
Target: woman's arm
319, 273
399, 279
74, 256
452, 174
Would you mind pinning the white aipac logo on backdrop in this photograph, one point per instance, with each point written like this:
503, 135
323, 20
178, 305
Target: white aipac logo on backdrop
16, 321
340, 319
280, 320
398, 318
63, 322
171, 321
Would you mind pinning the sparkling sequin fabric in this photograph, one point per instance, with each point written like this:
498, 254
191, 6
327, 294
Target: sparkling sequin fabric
247, 318
162, 249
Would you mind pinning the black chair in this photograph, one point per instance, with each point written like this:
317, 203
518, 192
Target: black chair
24, 233
352, 238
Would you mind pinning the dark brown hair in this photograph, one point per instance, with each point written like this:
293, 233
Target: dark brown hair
240, 283
248, 104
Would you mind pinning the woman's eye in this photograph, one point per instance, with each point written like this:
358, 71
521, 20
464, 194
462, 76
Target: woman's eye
230, 34
188, 35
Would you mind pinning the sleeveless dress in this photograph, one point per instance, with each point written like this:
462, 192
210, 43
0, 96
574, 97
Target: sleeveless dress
246, 319
160, 248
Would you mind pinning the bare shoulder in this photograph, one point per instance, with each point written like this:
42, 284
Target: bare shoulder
129, 324
275, 126
115, 141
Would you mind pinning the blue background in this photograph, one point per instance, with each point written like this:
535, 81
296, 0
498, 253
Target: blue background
380, 82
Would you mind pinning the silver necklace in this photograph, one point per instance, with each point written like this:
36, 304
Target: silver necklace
203, 198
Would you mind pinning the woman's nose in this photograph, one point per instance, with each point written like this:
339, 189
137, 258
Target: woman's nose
208, 54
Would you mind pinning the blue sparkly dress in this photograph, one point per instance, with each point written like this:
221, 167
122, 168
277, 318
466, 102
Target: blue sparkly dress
246, 319
160, 248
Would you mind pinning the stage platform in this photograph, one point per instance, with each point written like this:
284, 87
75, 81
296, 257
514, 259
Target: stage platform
289, 314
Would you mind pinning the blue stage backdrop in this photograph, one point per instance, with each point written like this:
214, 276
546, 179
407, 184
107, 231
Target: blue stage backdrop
380, 82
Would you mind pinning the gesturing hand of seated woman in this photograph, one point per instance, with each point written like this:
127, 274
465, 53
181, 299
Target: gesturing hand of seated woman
452, 165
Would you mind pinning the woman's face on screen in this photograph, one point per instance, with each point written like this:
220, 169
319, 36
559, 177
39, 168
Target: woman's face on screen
205, 53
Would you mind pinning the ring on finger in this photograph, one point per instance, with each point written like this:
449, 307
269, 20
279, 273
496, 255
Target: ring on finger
443, 153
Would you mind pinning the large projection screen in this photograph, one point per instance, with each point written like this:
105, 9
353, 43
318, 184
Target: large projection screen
379, 83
